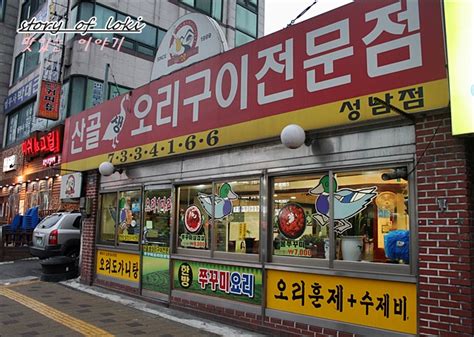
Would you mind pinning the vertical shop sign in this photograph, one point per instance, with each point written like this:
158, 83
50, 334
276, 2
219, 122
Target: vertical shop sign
230, 282
374, 303
50, 95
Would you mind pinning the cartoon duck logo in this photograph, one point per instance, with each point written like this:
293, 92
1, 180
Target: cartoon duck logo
347, 203
222, 202
183, 44
116, 124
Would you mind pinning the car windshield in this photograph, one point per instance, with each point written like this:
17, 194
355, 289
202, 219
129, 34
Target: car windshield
50, 221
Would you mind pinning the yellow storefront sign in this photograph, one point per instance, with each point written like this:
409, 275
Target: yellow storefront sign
373, 303
426, 96
119, 265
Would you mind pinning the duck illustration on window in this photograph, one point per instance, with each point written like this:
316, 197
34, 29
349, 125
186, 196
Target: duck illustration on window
222, 202
116, 124
347, 203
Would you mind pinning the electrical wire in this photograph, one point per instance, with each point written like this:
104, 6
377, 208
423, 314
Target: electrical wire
302, 13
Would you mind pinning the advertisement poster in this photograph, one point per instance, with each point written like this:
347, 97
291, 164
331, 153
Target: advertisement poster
373, 303
155, 270
229, 282
118, 265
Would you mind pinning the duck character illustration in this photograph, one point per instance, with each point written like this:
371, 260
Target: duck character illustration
116, 124
222, 202
347, 203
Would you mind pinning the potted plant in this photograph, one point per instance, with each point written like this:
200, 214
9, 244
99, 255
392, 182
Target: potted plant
315, 243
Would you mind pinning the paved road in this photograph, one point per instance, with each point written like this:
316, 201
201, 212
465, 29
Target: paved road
29, 307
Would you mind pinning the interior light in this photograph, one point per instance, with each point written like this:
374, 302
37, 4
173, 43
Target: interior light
46, 177
293, 197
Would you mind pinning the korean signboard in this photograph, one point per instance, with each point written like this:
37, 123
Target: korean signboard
49, 100
230, 282
323, 72
10, 163
118, 265
42, 144
20, 96
459, 16
378, 304
71, 185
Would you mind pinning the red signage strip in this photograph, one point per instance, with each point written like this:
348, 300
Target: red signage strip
42, 145
363, 48
50, 94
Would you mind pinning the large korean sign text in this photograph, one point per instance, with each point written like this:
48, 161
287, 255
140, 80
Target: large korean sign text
378, 304
118, 265
324, 72
230, 282
45, 144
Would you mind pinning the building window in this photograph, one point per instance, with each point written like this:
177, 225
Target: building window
3, 6
19, 123
246, 21
145, 43
29, 8
212, 8
233, 209
370, 217
120, 217
87, 92
26, 62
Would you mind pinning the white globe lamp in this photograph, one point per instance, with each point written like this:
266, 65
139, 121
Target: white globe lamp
106, 168
292, 136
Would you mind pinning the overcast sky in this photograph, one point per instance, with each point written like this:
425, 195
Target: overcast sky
279, 13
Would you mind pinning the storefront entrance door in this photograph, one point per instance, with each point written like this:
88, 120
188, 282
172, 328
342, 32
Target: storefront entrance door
156, 243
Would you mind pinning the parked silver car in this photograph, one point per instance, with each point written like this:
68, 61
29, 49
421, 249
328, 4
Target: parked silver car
57, 234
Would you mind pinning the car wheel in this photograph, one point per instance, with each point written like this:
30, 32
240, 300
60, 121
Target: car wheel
73, 253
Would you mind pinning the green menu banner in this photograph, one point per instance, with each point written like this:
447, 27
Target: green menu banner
230, 282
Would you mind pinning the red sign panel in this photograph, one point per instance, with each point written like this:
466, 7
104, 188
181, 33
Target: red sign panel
50, 95
340, 60
45, 144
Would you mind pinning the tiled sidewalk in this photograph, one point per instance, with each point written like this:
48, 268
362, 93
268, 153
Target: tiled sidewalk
33, 317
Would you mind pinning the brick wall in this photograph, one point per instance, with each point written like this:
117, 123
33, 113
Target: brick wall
246, 320
446, 244
89, 229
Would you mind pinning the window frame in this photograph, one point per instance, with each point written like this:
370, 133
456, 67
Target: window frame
188, 4
116, 244
332, 266
212, 252
248, 6
22, 59
136, 43
16, 112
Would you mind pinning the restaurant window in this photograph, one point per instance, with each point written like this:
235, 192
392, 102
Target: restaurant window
108, 217
212, 8
230, 208
129, 217
193, 220
296, 232
120, 217
246, 21
371, 219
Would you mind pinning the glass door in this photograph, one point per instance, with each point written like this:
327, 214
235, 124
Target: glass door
156, 243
